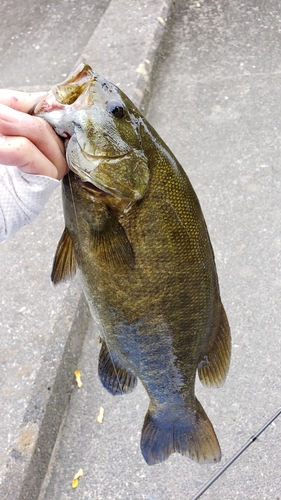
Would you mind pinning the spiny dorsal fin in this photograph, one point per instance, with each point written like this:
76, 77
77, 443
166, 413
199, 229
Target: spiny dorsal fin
64, 265
113, 246
214, 365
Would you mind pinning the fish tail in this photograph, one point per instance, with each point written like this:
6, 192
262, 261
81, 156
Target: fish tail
192, 434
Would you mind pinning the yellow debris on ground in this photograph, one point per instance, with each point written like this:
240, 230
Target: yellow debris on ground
76, 478
100, 415
77, 374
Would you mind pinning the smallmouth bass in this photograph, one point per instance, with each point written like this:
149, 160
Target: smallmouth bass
135, 232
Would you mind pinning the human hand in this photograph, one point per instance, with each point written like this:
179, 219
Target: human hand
29, 142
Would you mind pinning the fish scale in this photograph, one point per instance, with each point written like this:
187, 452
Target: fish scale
135, 231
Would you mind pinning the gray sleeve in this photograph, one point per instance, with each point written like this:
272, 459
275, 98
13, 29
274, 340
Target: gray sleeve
22, 197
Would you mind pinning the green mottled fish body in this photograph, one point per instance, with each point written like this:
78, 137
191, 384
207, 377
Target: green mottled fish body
136, 234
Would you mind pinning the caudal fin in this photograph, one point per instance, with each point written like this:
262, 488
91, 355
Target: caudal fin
191, 435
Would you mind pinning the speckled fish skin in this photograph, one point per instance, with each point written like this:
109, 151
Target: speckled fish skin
137, 235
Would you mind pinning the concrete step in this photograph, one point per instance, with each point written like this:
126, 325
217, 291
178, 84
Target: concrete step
43, 328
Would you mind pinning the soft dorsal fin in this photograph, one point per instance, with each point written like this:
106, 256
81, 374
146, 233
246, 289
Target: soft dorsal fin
64, 265
214, 365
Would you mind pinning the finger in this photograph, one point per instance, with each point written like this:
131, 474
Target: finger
14, 122
20, 101
38, 131
21, 153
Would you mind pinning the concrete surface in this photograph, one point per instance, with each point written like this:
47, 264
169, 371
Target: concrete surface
42, 328
216, 103
216, 99
40, 41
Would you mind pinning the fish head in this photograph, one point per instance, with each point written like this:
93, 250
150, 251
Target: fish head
102, 128
108, 153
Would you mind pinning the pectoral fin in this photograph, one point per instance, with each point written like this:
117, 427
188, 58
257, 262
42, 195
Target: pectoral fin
214, 365
113, 246
64, 265
114, 377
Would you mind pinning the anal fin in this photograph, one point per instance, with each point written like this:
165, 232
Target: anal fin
116, 378
189, 433
214, 365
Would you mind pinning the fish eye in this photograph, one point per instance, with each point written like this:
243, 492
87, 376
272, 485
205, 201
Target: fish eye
115, 108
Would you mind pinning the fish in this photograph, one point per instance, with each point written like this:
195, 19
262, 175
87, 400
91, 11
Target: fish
136, 235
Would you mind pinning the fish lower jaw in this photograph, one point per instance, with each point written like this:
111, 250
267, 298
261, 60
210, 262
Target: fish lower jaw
48, 104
